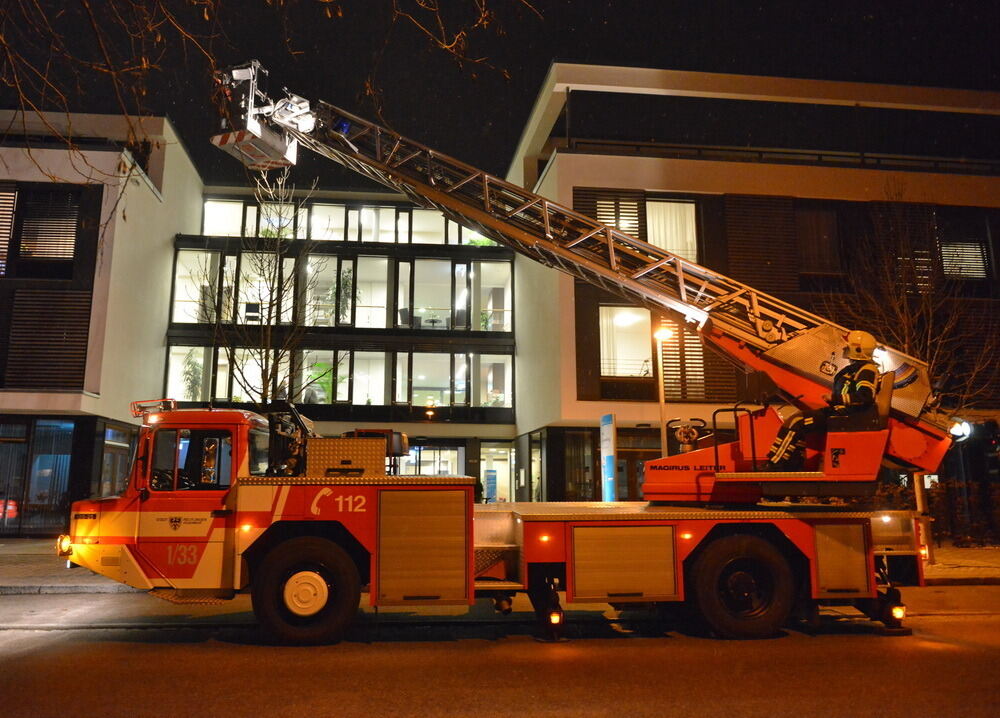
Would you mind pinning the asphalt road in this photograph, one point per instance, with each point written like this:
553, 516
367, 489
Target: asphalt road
133, 655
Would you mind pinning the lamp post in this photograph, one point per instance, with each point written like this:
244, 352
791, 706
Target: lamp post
661, 335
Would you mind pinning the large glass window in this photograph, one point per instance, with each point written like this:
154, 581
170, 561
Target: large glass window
223, 218
460, 363
48, 477
476, 239
229, 287
495, 378
327, 222
13, 462
428, 227
671, 226
492, 305
461, 301
402, 378
432, 294
196, 282
189, 373
369, 378
371, 291
433, 461
248, 371
324, 376
376, 224
278, 219
431, 379
267, 283
321, 291
404, 314
626, 343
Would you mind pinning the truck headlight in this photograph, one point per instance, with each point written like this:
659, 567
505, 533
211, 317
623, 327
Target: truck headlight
64, 545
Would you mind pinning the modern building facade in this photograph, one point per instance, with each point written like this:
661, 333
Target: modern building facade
86, 245
375, 314
123, 277
772, 181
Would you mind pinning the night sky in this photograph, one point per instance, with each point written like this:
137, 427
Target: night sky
475, 113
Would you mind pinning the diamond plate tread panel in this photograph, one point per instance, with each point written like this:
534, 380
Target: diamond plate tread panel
354, 455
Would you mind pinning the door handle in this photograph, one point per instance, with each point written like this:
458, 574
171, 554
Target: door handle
220, 513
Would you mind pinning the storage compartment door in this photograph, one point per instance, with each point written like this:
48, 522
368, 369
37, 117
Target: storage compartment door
423, 553
841, 561
623, 563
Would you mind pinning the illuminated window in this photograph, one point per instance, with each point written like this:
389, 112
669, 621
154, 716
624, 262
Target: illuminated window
427, 227
223, 218
492, 306
671, 226
493, 380
189, 373
267, 282
964, 260
432, 294
370, 292
327, 222
626, 342
278, 219
196, 278
431, 379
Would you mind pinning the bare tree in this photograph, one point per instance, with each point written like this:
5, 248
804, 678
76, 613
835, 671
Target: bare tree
911, 286
56, 56
264, 318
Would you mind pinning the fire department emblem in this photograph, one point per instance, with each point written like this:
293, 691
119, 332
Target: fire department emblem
175, 522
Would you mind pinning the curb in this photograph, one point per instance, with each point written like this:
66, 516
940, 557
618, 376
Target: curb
963, 581
19, 590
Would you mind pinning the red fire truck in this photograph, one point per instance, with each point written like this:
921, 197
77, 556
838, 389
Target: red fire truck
227, 501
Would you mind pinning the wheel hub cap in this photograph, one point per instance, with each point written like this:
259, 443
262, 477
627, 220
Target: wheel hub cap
306, 593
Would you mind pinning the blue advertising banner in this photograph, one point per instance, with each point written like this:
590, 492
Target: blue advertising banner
608, 449
490, 491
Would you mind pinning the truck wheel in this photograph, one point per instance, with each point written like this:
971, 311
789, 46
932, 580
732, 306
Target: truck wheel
743, 587
306, 591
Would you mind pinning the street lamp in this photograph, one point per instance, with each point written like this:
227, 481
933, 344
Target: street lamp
661, 335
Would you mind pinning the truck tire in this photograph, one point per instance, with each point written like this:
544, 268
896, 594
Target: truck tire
306, 591
742, 586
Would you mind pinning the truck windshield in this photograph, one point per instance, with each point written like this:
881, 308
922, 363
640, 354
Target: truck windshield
259, 442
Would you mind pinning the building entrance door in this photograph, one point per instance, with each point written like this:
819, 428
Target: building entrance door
13, 471
631, 472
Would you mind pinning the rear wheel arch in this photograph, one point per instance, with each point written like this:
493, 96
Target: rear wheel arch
333, 531
745, 580
770, 533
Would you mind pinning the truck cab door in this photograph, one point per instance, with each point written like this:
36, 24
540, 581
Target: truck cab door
183, 519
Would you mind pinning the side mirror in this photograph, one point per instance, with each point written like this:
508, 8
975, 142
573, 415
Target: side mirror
143, 494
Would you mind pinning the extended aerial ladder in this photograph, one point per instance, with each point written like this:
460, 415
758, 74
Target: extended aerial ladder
797, 350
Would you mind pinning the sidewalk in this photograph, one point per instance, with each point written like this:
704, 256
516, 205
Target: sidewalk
31, 566
963, 566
